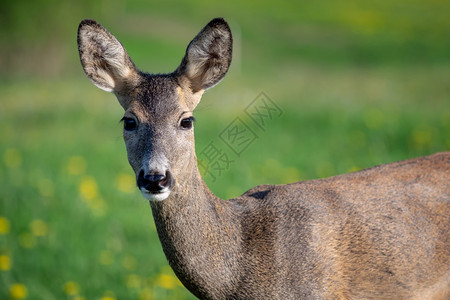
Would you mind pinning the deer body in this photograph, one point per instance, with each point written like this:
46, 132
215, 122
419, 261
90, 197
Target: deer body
317, 239
381, 233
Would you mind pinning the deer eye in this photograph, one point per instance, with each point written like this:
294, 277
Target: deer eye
187, 123
129, 124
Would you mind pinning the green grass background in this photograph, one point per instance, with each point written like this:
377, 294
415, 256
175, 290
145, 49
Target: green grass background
359, 82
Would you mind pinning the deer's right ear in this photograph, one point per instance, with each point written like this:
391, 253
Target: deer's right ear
104, 59
208, 56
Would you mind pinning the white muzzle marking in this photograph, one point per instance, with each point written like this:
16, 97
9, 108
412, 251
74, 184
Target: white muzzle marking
162, 195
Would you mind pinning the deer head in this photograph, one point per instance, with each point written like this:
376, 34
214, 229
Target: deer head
158, 120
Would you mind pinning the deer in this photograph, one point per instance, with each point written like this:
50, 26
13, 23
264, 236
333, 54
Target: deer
378, 233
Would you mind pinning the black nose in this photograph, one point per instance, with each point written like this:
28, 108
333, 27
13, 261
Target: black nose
155, 182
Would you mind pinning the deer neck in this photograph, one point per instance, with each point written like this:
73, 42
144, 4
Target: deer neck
198, 235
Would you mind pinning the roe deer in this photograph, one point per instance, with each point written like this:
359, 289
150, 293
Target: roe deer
380, 233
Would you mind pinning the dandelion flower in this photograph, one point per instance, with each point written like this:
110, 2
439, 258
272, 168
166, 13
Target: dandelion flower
39, 228
5, 263
126, 183
12, 158
27, 240
106, 258
166, 281
76, 165
129, 262
18, 291
71, 288
422, 137
4, 225
108, 296
46, 187
146, 294
88, 188
133, 281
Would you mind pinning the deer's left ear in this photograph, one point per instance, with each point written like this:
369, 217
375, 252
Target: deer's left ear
208, 56
104, 59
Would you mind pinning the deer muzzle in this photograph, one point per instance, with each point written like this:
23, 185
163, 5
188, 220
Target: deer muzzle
155, 186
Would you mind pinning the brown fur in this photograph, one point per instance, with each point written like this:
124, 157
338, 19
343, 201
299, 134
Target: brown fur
381, 233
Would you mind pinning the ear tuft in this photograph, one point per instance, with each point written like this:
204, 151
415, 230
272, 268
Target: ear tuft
103, 58
208, 56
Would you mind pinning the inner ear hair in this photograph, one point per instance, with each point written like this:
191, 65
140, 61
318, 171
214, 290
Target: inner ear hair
104, 59
208, 56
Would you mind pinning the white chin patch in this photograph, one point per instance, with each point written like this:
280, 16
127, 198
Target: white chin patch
156, 197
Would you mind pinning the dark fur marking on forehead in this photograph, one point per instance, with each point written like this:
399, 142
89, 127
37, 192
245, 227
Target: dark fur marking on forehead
157, 94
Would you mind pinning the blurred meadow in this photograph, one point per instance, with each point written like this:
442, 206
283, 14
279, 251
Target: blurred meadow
356, 83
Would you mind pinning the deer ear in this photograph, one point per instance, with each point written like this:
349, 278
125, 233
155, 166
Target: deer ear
104, 59
208, 56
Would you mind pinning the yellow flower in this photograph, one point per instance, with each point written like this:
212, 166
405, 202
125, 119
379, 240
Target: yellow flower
88, 188
5, 263
167, 271
18, 291
4, 225
146, 294
12, 158
71, 288
39, 228
290, 175
126, 183
422, 137
114, 244
27, 240
133, 281
76, 165
353, 169
46, 187
108, 296
166, 281
98, 206
106, 258
129, 262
